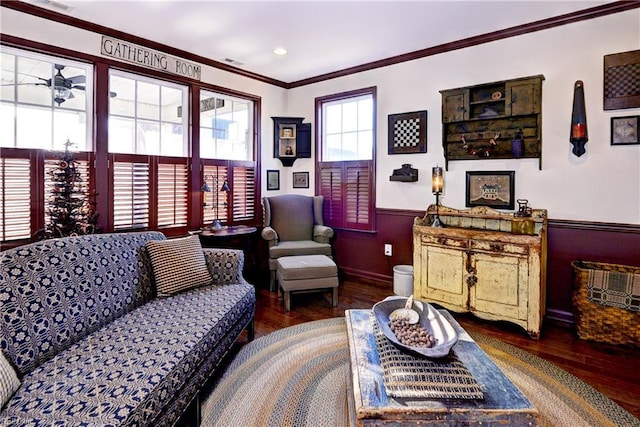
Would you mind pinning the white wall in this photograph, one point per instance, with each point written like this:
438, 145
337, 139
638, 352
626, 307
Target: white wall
602, 185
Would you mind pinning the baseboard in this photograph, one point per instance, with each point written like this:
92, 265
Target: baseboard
378, 279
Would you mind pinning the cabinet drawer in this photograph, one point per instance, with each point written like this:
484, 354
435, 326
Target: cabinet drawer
499, 247
444, 241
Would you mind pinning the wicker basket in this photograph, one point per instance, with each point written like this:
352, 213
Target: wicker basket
598, 322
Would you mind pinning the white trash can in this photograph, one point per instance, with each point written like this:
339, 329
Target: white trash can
403, 280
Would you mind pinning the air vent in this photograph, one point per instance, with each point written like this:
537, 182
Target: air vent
232, 61
53, 4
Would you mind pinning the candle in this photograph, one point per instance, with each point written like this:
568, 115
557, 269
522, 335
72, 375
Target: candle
436, 180
579, 130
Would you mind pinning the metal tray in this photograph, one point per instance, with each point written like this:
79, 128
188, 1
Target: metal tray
430, 319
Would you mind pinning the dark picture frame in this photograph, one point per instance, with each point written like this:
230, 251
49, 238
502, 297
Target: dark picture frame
407, 132
621, 84
494, 189
273, 179
300, 179
625, 130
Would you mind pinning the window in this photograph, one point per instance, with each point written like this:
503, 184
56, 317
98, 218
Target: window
149, 146
226, 149
55, 93
346, 168
225, 127
145, 177
44, 102
145, 116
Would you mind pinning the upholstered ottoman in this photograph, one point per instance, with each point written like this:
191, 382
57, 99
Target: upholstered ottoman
307, 273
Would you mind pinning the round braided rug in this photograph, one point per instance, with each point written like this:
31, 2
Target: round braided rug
298, 376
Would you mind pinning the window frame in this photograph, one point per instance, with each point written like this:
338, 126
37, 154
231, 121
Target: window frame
100, 158
339, 196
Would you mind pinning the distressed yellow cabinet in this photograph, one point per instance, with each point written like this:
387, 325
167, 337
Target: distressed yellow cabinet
477, 264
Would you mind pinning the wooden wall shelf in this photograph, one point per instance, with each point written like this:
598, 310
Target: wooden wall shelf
479, 122
291, 139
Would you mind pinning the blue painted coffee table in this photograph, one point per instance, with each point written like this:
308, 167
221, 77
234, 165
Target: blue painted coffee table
369, 404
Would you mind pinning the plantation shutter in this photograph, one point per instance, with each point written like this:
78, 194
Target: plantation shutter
15, 199
172, 194
331, 190
347, 189
243, 193
358, 187
130, 195
215, 208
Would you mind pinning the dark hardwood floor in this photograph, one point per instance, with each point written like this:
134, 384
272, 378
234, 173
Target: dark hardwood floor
612, 370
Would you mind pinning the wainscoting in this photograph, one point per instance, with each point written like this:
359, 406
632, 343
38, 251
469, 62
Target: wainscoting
362, 254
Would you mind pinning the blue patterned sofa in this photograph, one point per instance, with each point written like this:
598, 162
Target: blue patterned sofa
93, 345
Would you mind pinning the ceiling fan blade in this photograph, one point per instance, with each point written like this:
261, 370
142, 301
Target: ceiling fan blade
78, 87
25, 84
77, 79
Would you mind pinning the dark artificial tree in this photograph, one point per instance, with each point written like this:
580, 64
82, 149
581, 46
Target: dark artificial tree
71, 208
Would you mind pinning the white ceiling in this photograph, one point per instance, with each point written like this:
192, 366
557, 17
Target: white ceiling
321, 36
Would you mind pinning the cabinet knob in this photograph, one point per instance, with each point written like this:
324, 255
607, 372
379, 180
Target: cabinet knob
472, 280
496, 247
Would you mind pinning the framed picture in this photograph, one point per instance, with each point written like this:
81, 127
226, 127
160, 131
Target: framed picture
288, 131
621, 83
408, 133
494, 189
624, 130
301, 180
273, 179
287, 148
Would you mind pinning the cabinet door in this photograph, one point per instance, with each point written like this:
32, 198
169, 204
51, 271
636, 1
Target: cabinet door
455, 105
442, 277
502, 285
303, 141
523, 97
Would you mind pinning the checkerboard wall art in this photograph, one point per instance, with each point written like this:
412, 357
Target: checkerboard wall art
621, 82
408, 133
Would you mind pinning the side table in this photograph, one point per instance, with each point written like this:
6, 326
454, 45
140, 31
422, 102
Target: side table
369, 404
236, 237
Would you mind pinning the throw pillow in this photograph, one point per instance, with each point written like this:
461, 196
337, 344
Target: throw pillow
178, 264
9, 381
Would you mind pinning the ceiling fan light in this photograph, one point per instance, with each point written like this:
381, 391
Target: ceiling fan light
61, 94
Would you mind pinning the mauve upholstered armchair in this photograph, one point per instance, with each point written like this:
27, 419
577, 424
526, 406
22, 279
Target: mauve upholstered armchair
293, 225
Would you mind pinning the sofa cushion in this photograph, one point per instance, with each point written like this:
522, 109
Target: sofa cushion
55, 292
292, 216
178, 265
301, 247
129, 371
9, 381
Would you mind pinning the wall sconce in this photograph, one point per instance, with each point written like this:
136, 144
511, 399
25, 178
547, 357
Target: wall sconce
578, 135
215, 224
437, 183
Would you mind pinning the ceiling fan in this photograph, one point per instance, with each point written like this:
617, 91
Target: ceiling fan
62, 86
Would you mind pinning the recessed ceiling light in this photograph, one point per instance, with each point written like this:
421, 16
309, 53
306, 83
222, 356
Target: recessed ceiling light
280, 51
